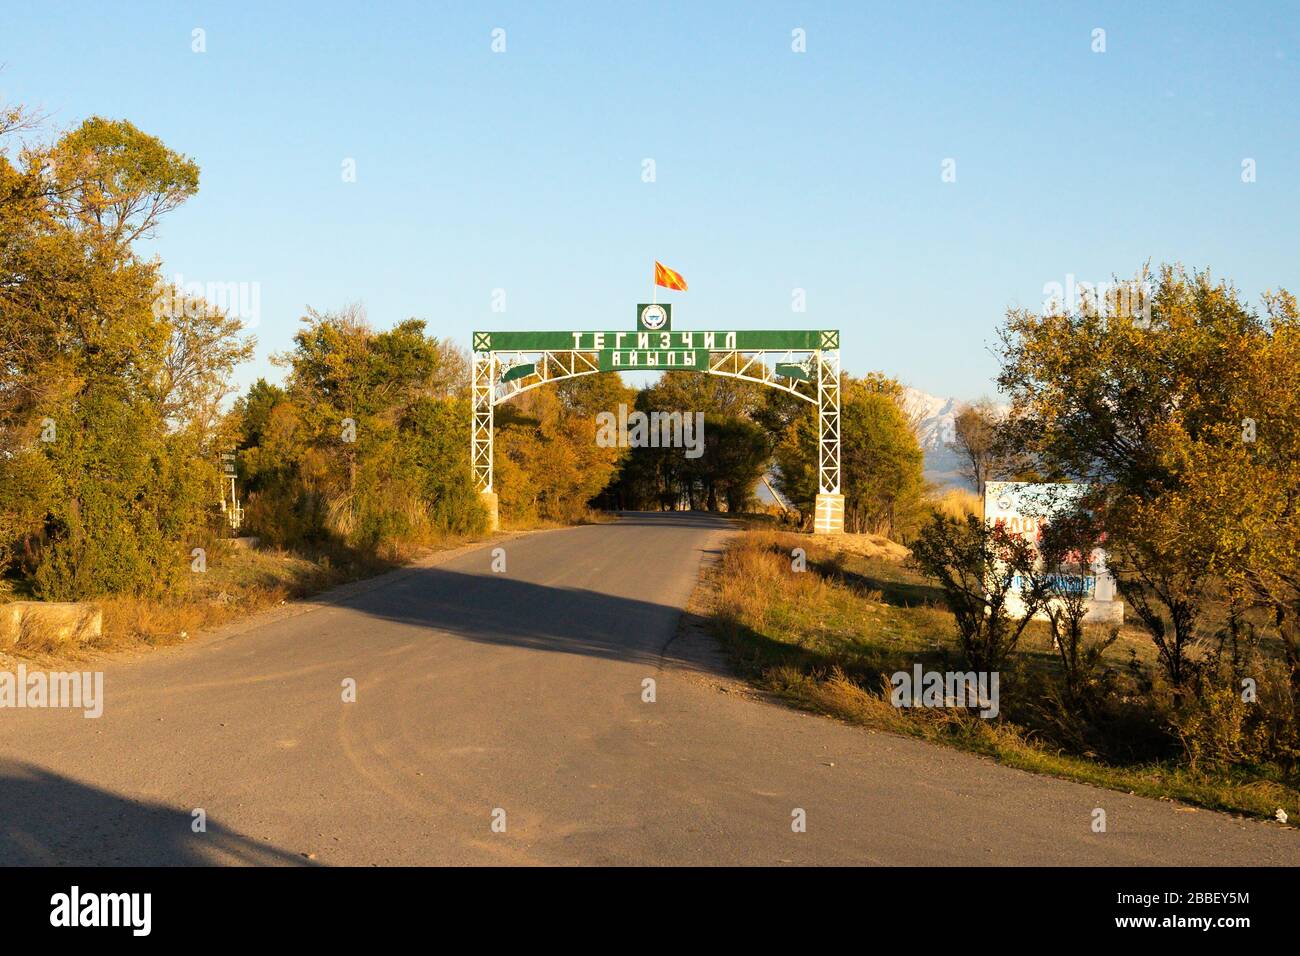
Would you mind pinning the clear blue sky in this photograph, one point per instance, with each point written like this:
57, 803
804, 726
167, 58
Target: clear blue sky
775, 170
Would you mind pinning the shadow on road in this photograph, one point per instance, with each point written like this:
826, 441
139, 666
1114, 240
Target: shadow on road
50, 820
500, 609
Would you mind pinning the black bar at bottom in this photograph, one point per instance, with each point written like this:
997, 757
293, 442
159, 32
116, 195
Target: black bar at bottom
939, 904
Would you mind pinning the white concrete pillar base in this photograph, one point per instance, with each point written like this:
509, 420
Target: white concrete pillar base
829, 515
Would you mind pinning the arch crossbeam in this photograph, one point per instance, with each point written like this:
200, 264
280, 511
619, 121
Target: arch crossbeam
531, 369
766, 368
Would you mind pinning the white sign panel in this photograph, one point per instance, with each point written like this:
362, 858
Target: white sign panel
1024, 508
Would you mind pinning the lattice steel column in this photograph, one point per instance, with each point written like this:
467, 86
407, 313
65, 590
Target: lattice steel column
482, 388
829, 516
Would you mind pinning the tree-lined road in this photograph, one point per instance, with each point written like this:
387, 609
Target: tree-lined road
522, 691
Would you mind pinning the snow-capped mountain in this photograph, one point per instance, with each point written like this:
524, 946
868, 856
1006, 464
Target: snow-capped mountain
933, 418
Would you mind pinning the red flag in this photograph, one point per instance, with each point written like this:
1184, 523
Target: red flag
668, 278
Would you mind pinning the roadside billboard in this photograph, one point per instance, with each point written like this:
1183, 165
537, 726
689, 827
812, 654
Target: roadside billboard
1024, 508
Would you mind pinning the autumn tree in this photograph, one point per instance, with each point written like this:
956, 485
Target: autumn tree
1158, 411
1238, 485
366, 444
977, 441
741, 421
548, 463
106, 401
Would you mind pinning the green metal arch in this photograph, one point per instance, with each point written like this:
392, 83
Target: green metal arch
717, 361
822, 378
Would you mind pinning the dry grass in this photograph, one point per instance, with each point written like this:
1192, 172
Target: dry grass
588, 516
825, 641
237, 583
872, 546
131, 622
957, 503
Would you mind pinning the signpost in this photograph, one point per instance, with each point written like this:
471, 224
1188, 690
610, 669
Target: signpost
805, 363
234, 512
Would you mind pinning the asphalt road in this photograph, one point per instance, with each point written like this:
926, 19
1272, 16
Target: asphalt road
521, 692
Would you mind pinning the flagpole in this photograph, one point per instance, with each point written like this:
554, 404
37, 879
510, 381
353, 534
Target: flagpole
654, 288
